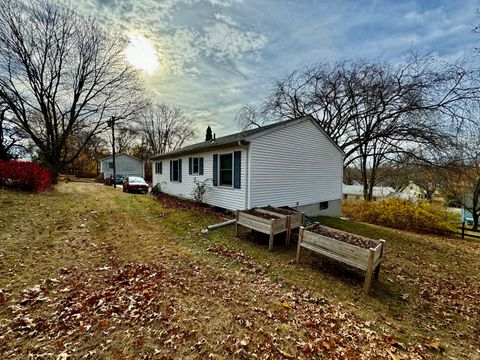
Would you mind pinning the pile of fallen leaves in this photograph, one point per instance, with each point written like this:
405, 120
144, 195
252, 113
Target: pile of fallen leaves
345, 237
187, 311
259, 214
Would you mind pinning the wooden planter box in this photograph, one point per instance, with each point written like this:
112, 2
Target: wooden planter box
294, 220
368, 260
266, 226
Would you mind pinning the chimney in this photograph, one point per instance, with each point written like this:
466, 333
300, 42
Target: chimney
214, 137
208, 134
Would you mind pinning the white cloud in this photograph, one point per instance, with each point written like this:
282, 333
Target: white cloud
224, 41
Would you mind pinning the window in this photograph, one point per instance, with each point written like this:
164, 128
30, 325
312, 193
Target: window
110, 165
226, 170
158, 167
196, 166
175, 170
323, 205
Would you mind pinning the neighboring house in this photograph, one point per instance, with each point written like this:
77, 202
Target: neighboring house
291, 163
126, 165
355, 191
412, 191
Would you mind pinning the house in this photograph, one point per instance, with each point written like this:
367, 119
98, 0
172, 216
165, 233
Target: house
126, 165
355, 191
290, 163
412, 191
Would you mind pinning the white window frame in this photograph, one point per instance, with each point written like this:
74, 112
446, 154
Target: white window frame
219, 170
178, 170
198, 166
157, 167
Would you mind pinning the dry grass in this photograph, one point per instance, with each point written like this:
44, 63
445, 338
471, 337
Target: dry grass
218, 295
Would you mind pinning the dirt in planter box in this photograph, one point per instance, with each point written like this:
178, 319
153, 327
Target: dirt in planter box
348, 238
261, 215
279, 210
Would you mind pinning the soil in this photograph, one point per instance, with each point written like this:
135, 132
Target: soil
348, 238
261, 215
173, 202
279, 210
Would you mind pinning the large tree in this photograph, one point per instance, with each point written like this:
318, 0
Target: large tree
165, 128
375, 111
61, 75
12, 138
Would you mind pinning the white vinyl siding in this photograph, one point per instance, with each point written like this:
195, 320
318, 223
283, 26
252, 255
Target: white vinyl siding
125, 166
224, 197
294, 165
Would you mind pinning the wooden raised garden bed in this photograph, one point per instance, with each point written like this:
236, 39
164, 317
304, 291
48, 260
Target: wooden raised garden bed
270, 224
354, 250
295, 219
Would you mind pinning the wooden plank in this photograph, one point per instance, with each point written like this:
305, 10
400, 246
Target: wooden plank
368, 275
289, 231
379, 260
362, 265
263, 211
299, 243
243, 215
270, 240
279, 225
254, 225
236, 223
337, 246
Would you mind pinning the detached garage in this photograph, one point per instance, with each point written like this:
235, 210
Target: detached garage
126, 165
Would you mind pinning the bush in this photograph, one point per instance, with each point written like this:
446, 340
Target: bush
24, 175
401, 214
201, 189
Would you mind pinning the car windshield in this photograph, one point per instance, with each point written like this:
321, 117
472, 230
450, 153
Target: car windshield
136, 180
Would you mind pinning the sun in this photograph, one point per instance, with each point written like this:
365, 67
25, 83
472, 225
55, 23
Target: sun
141, 53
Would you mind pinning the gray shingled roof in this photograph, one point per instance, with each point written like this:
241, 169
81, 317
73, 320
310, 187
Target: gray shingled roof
222, 141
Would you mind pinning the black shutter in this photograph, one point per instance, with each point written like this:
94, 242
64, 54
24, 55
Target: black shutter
200, 166
237, 158
160, 167
190, 166
215, 169
171, 170
179, 170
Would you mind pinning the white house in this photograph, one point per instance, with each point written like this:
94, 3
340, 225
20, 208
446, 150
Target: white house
412, 191
291, 163
126, 165
355, 191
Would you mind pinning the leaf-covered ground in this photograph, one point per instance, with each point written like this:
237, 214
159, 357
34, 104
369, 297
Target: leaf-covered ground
87, 271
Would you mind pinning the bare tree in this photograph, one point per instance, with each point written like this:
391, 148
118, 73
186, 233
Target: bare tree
12, 138
61, 74
165, 128
374, 111
463, 178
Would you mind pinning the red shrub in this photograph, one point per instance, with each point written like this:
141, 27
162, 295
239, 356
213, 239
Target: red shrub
24, 175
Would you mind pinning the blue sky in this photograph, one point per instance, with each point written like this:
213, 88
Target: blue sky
216, 55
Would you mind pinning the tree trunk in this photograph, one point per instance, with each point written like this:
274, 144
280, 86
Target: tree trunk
475, 216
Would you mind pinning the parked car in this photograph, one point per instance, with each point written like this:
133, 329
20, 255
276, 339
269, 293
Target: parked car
119, 178
134, 183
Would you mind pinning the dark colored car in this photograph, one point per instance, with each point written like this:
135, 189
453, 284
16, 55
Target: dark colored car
120, 179
134, 183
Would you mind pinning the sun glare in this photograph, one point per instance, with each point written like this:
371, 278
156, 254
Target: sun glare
141, 53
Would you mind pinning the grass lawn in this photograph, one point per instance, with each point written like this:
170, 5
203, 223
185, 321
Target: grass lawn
90, 272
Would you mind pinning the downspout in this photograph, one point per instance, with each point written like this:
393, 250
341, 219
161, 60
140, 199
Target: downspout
247, 162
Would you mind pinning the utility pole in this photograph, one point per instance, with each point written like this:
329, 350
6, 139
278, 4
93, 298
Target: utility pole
111, 123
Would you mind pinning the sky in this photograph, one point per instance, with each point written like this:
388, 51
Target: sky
210, 57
